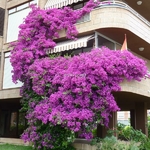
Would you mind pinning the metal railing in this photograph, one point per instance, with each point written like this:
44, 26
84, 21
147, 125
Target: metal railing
120, 4
85, 18
148, 74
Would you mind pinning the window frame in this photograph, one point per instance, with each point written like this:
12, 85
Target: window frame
13, 85
14, 11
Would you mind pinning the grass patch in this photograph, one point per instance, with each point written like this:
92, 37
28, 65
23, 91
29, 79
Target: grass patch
14, 147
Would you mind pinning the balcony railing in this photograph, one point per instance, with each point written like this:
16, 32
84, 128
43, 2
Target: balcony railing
119, 4
85, 18
148, 74
125, 6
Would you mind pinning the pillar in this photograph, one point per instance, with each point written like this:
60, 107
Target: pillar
132, 118
2, 4
141, 117
102, 130
41, 3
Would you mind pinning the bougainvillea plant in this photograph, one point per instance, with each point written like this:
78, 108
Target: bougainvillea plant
62, 95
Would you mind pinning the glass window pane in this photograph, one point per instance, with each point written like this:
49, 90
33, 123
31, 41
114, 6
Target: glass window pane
87, 49
118, 46
33, 2
76, 52
7, 54
123, 117
87, 17
13, 24
80, 20
84, 18
13, 124
90, 45
78, 6
7, 80
11, 10
104, 42
21, 123
13, 121
23, 6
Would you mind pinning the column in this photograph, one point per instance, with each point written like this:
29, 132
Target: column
141, 117
132, 118
41, 3
102, 130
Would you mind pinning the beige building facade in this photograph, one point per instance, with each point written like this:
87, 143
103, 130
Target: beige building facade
104, 26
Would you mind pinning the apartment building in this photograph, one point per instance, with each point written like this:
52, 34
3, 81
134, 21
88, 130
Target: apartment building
104, 26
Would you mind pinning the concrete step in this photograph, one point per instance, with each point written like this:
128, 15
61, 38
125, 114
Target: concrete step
14, 141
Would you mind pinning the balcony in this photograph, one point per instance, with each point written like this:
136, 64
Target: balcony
141, 88
114, 19
117, 14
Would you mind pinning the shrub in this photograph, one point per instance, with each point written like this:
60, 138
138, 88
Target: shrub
129, 134
111, 143
149, 129
72, 94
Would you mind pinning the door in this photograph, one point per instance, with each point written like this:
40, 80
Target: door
4, 123
12, 123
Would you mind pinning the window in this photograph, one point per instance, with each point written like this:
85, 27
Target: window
90, 45
84, 18
22, 6
2, 12
105, 42
7, 77
22, 123
13, 122
15, 18
123, 117
79, 6
118, 46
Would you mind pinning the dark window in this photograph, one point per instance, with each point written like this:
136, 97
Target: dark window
90, 46
13, 123
2, 13
80, 5
105, 42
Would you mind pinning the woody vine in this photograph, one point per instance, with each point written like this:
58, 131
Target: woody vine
63, 96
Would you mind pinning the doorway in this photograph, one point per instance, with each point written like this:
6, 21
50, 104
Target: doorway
12, 123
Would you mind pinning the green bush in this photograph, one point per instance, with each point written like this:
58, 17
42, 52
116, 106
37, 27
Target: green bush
111, 143
128, 133
148, 129
94, 132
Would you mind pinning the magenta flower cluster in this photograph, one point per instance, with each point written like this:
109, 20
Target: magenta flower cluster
78, 90
37, 34
73, 93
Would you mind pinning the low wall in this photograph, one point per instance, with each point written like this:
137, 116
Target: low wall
14, 141
79, 144
82, 144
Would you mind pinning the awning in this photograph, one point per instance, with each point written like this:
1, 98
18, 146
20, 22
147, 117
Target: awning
71, 44
59, 3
